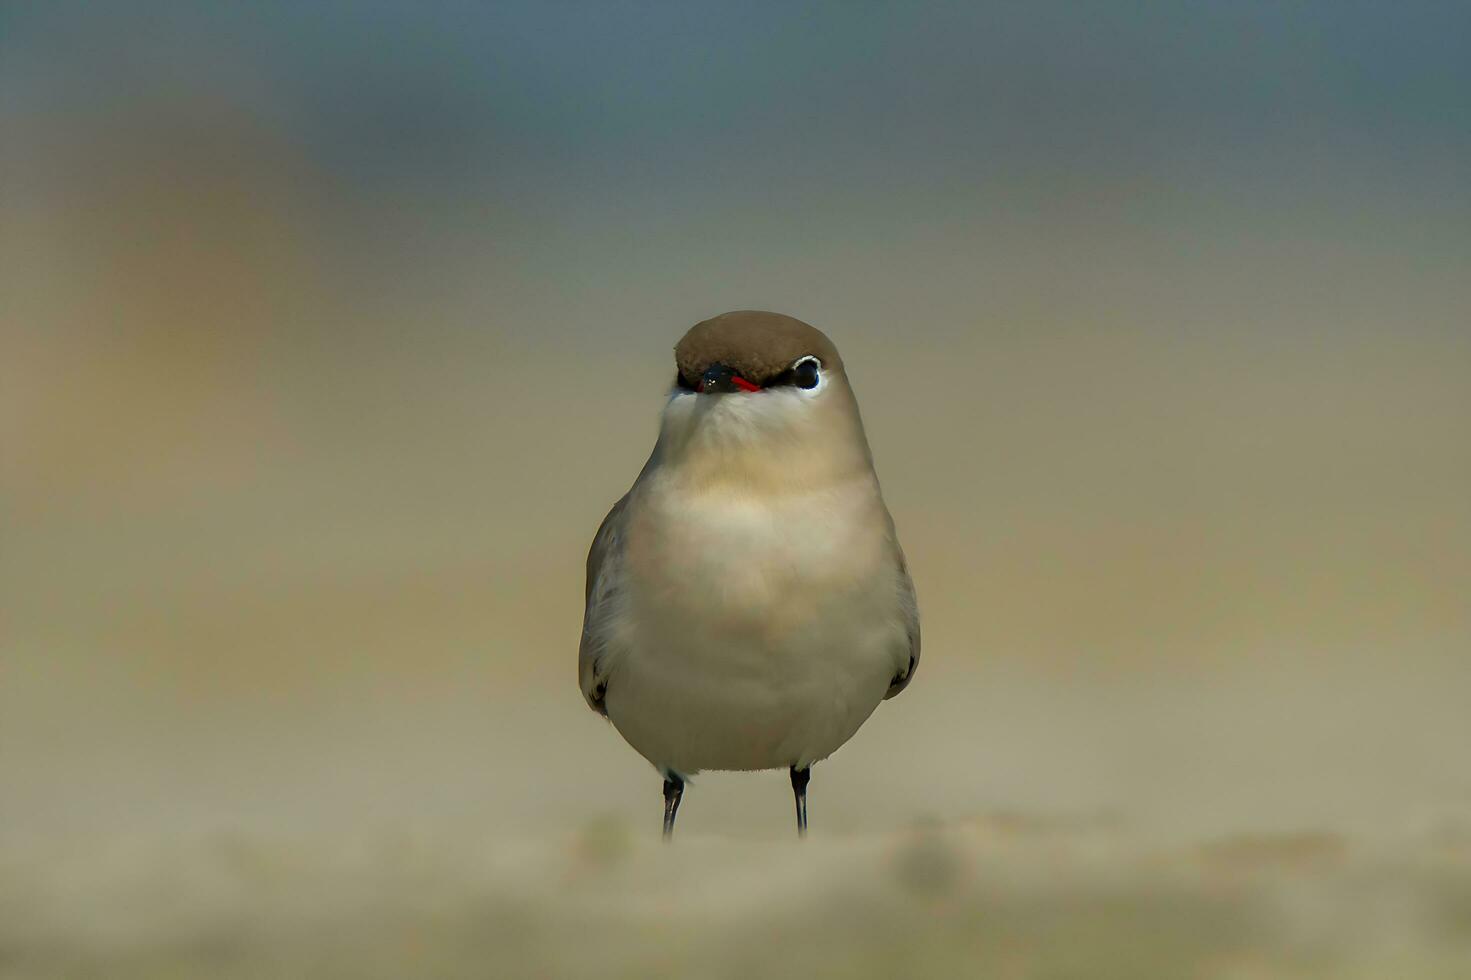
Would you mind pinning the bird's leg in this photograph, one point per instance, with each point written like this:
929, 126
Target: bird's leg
799, 790
673, 790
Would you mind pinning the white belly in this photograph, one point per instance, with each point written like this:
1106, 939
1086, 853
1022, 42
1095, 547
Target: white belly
754, 636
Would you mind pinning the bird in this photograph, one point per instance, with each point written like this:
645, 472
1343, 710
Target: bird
747, 603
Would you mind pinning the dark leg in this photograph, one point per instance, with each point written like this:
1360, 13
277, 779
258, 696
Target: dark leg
673, 790
799, 790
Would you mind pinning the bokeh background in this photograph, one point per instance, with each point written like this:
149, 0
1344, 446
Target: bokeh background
329, 331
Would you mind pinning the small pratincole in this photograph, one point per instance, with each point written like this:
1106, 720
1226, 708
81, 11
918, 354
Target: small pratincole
748, 604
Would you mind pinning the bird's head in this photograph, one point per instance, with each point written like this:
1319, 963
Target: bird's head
762, 395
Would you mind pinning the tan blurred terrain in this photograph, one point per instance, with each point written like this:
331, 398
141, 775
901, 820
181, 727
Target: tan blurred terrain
327, 342
1013, 895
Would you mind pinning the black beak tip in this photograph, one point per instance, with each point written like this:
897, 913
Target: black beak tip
717, 378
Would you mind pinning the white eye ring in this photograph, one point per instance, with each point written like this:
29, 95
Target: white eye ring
821, 376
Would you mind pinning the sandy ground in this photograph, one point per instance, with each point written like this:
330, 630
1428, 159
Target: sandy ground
1002, 895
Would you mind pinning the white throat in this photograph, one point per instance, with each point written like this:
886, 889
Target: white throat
781, 439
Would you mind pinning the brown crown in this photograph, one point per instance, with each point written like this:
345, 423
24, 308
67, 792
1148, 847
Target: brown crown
755, 344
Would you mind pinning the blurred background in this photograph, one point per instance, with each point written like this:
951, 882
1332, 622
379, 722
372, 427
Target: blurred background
328, 333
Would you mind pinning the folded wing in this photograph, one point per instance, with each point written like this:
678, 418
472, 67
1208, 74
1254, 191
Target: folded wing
604, 576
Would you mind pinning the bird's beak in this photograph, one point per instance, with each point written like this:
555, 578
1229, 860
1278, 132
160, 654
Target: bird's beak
722, 380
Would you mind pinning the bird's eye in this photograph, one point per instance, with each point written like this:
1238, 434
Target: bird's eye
805, 373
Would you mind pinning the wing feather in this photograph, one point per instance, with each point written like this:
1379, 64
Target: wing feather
604, 566
909, 606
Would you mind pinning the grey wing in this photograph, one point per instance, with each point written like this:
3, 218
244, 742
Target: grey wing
604, 567
909, 606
